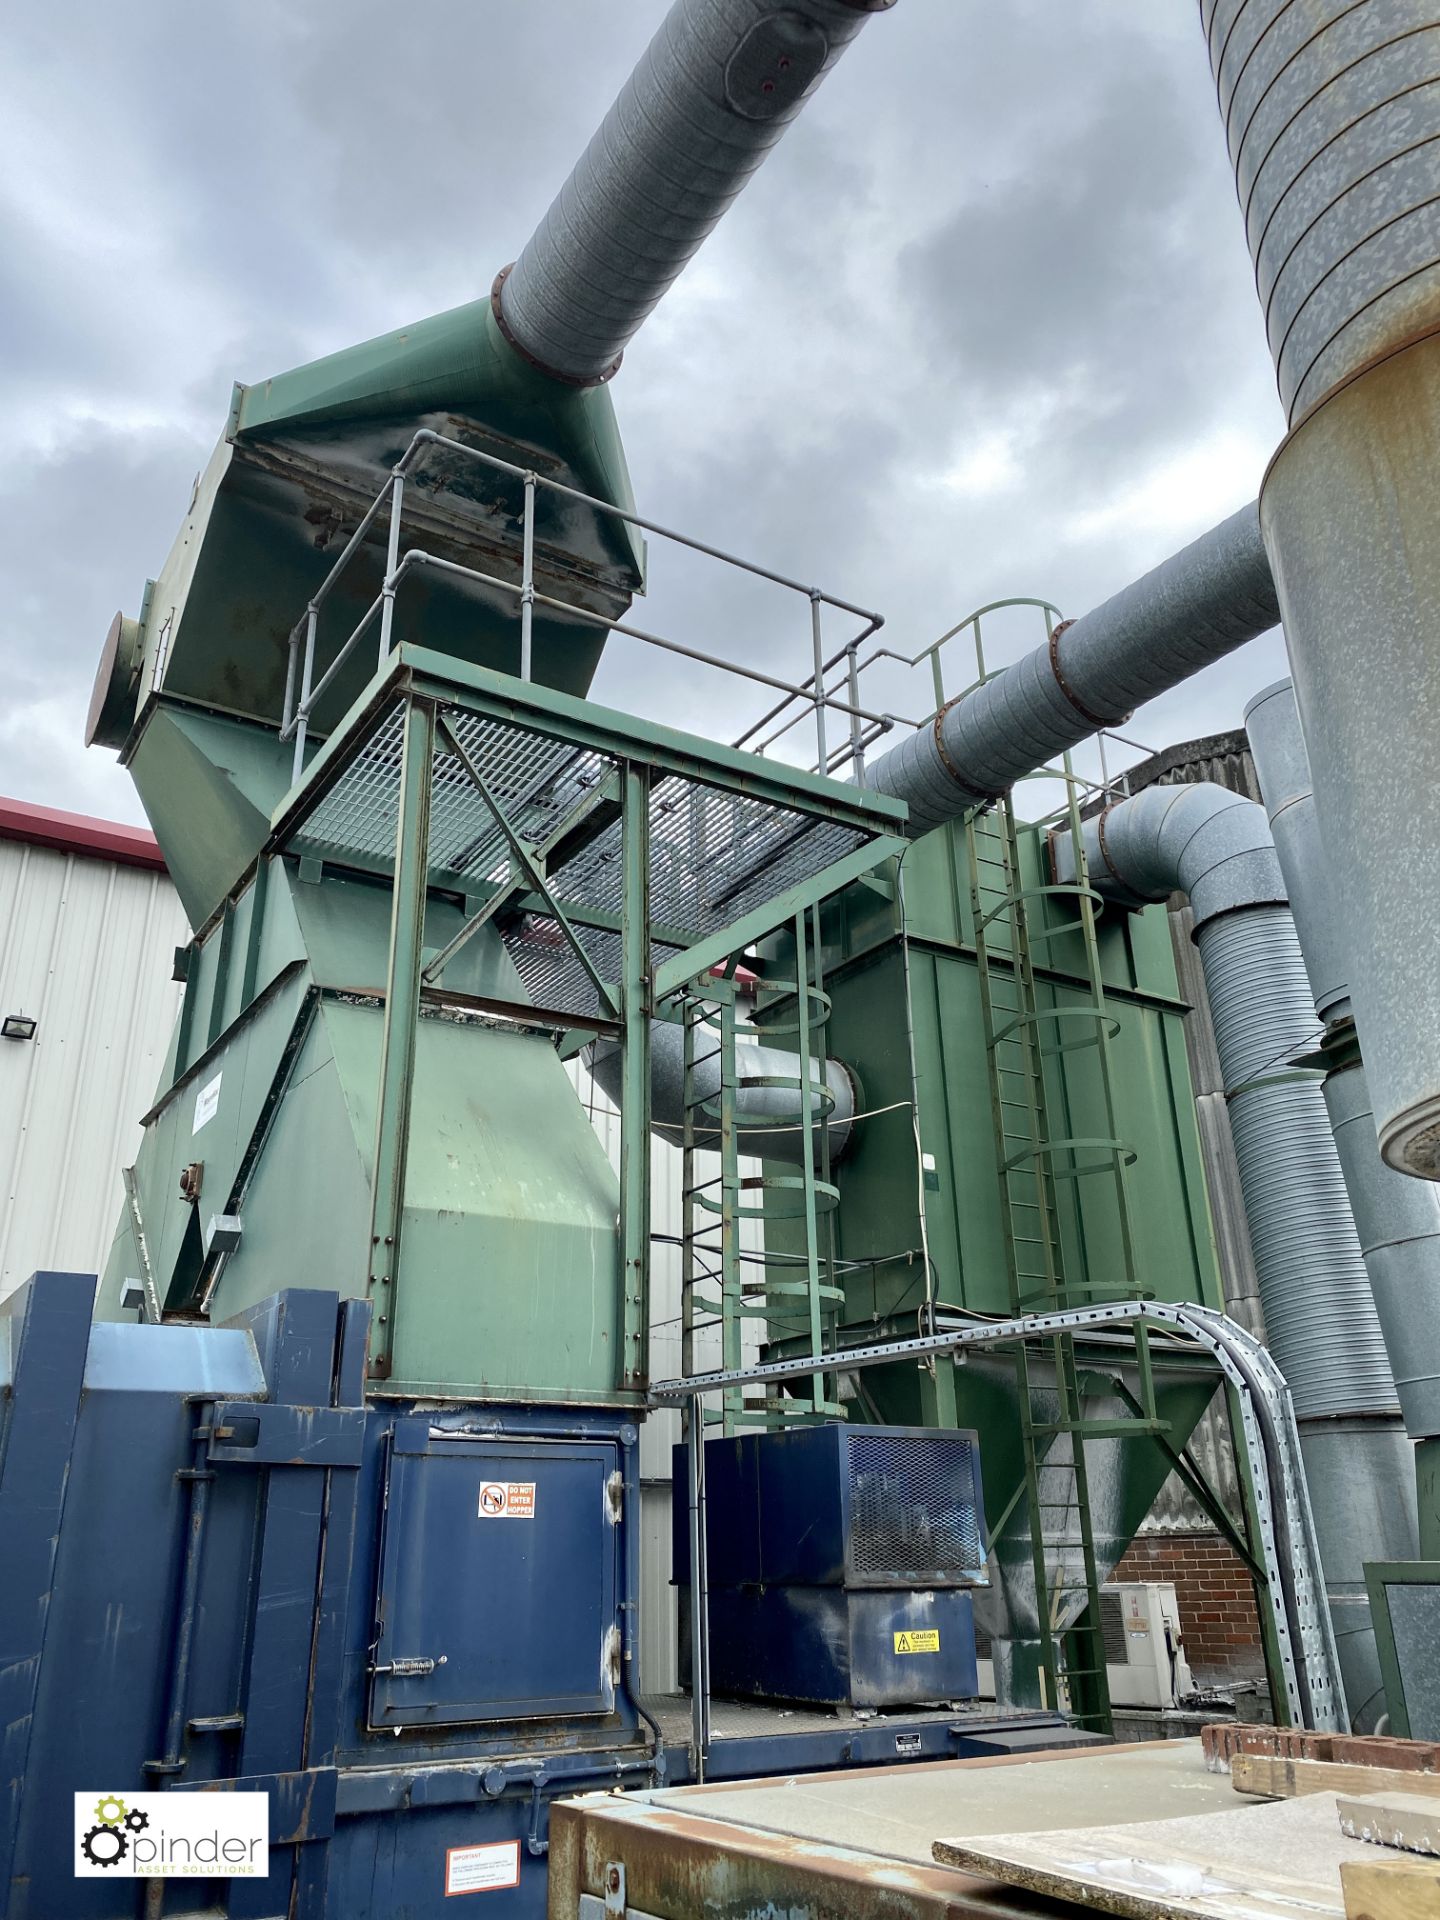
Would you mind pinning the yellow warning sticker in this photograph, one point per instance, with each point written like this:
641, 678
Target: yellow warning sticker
920, 1640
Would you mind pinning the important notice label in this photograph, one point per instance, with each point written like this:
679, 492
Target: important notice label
921, 1640
482, 1869
507, 1500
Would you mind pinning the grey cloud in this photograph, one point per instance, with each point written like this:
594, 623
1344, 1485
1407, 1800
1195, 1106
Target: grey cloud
1009, 226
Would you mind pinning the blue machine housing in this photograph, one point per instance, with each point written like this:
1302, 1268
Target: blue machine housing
839, 1562
224, 1569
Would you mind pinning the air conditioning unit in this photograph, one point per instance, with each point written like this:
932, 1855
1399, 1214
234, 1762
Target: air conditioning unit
1145, 1664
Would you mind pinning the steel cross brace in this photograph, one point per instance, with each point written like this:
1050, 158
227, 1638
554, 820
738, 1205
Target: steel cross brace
525, 860
512, 891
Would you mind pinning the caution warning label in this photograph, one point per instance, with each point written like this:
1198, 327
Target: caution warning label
507, 1500
919, 1640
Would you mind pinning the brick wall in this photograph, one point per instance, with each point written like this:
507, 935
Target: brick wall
1215, 1597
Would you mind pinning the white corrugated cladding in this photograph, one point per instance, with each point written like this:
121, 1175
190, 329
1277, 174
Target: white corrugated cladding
85, 946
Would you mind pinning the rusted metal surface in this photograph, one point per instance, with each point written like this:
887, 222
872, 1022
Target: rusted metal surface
677, 1865
681, 1855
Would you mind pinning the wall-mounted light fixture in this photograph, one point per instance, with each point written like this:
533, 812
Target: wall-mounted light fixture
17, 1026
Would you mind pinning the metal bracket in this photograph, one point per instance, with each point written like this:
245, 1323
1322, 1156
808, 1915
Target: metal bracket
302, 1805
257, 1433
615, 1889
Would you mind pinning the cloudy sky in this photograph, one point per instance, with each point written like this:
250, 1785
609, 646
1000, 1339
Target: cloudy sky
984, 325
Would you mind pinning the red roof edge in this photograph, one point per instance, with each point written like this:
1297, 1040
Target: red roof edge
79, 833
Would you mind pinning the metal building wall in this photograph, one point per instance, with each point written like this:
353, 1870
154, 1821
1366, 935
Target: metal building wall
85, 948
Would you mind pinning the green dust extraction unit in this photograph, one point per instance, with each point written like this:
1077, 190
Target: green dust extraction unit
370, 1355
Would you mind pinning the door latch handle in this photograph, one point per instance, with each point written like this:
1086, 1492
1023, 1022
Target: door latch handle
410, 1669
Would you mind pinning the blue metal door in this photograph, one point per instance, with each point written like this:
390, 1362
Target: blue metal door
496, 1595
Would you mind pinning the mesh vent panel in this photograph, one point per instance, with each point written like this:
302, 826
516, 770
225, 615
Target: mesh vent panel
1112, 1628
912, 1501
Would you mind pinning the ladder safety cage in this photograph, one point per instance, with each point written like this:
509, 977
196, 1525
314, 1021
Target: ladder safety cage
788, 1296
1040, 1165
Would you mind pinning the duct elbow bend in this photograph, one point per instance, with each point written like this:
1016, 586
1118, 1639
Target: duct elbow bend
1201, 840
768, 1111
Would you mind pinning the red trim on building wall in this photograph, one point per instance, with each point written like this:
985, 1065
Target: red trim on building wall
79, 833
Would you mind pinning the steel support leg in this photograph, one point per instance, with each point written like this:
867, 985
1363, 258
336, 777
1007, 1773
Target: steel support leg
402, 1019
635, 1007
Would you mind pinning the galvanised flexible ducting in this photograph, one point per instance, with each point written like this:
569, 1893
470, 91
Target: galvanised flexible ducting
1193, 609
1332, 114
768, 1116
1277, 746
1322, 1327
1215, 846
712, 94
1398, 1220
1319, 1313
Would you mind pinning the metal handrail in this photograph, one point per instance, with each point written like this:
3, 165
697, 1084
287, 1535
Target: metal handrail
864, 726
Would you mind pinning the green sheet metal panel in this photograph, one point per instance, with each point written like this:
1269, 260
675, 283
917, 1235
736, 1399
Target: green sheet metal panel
305, 453
866, 976
209, 1119
509, 1280
880, 1178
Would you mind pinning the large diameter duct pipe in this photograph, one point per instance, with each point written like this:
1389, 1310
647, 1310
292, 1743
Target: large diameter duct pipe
713, 92
1216, 847
1398, 1220
769, 1117
1277, 746
1190, 611
1332, 113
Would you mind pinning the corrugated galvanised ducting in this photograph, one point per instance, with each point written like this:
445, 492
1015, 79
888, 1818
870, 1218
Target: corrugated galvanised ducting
1320, 1317
1193, 609
1332, 115
1319, 1313
1399, 1226
1215, 847
1331, 110
1278, 748
712, 94
1398, 1220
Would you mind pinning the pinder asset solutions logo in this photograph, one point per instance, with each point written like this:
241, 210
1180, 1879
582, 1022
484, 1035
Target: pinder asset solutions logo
177, 1836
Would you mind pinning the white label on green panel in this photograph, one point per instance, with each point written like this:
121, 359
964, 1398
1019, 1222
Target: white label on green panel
207, 1103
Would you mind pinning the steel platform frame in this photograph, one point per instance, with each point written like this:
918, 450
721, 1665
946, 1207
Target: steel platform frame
621, 860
